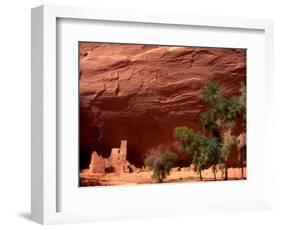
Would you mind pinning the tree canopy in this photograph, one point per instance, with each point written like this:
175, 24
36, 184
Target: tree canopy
222, 111
218, 119
201, 149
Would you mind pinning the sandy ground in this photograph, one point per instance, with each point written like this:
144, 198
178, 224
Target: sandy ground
177, 175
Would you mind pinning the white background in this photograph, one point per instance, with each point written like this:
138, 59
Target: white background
15, 113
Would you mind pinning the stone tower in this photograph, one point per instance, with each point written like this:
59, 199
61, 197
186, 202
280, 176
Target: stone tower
123, 150
117, 161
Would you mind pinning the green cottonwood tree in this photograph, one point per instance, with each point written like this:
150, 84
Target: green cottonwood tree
243, 102
242, 148
221, 115
215, 147
202, 150
228, 141
222, 111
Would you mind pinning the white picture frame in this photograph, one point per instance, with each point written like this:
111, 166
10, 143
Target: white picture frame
46, 165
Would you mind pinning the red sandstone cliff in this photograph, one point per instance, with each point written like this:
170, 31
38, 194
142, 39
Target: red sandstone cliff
141, 93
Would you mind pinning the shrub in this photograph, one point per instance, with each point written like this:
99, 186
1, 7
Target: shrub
160, 161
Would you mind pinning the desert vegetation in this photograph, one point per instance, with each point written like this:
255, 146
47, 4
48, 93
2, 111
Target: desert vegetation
201, 149
214, 147
160, 160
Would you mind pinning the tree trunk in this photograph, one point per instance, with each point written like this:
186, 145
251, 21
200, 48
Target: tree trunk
242, 168
241, 165
225, 173
214, 171
242, 155
200, 173
160, 177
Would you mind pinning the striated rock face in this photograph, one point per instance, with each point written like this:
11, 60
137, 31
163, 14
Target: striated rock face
142, 92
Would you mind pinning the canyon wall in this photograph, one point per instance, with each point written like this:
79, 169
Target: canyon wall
142, 92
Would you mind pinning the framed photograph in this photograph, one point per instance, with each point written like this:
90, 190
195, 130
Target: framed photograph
141, 114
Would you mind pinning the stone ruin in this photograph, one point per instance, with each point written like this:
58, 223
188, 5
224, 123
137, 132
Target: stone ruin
116, 162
